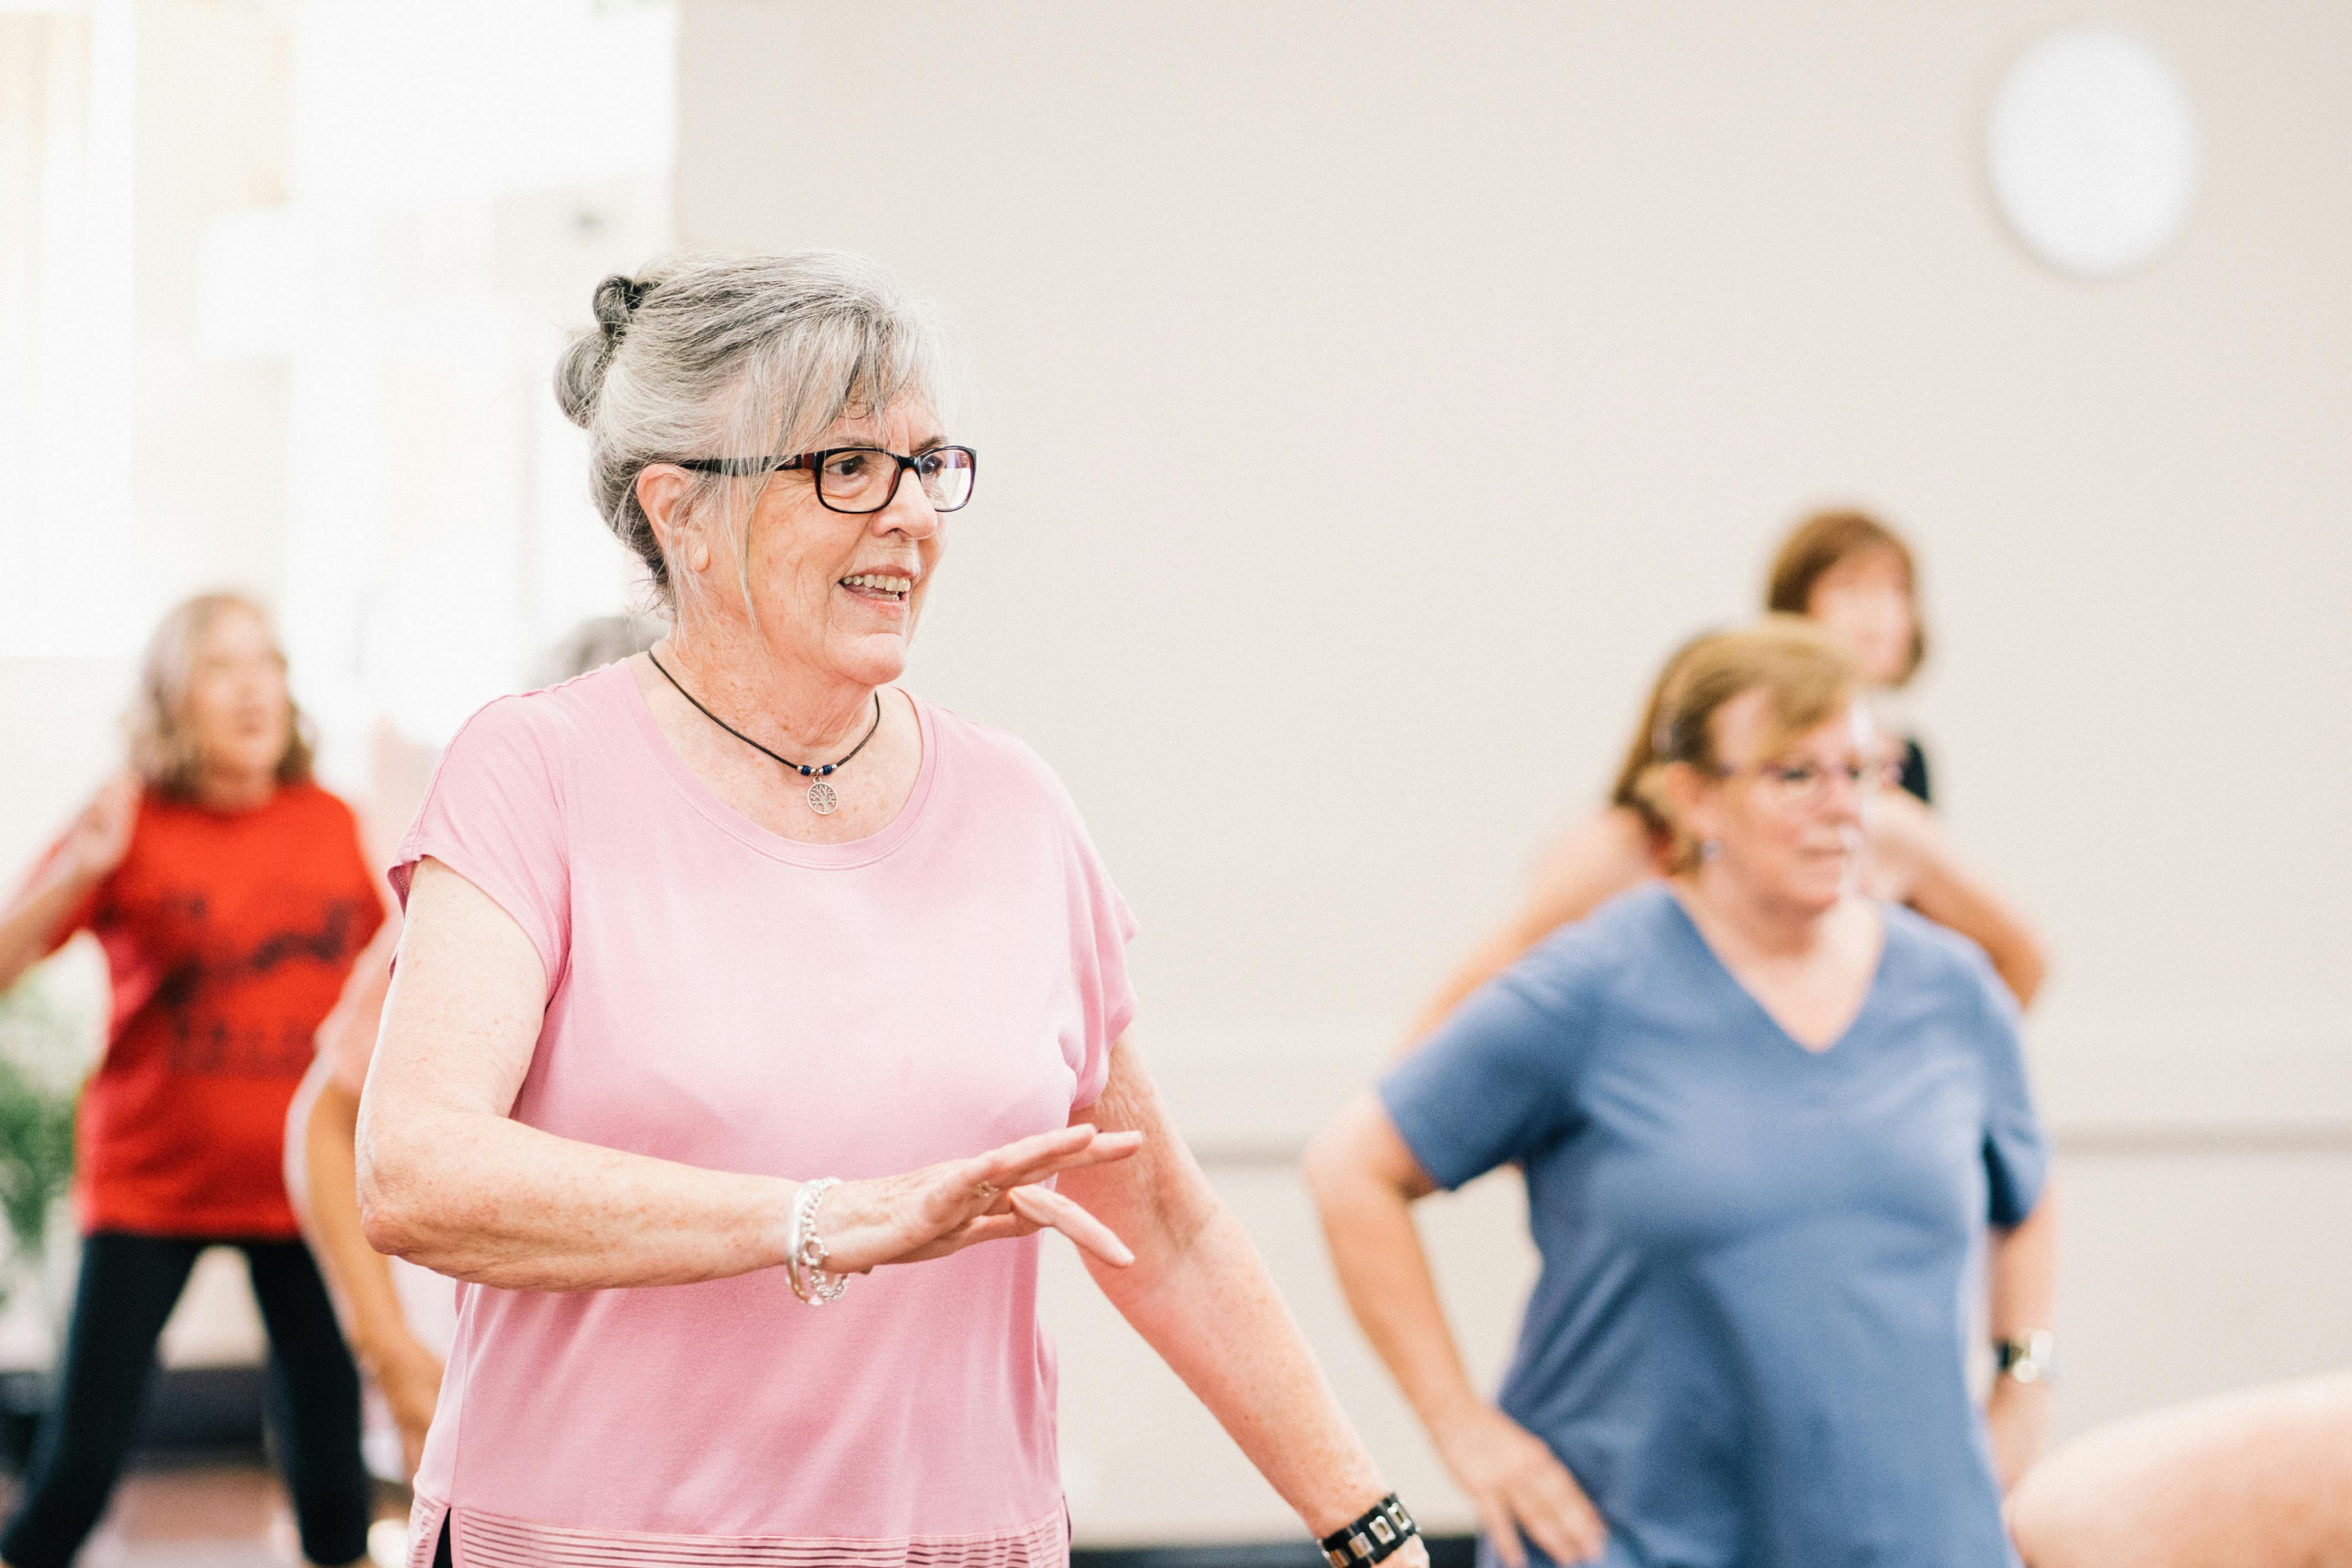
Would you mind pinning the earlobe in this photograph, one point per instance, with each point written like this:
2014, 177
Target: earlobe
1684, 791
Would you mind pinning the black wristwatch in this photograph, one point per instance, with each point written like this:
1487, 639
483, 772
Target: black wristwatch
1373, 1536
2028, 1358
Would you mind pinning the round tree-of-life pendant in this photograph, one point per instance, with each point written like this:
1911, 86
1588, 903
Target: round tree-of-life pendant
822, 798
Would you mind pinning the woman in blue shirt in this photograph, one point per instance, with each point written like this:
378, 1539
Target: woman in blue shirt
1763, 1120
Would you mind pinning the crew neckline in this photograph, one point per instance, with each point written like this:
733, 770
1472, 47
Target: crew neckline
844, 856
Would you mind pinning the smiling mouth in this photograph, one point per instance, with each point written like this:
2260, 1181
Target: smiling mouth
884, 587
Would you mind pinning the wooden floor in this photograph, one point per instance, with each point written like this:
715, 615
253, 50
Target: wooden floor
202, 1517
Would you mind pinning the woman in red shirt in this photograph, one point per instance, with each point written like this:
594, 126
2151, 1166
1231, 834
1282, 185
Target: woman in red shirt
230, 894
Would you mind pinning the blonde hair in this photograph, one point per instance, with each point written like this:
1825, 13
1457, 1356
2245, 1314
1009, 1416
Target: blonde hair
164, 753
1808, 673
1628, 790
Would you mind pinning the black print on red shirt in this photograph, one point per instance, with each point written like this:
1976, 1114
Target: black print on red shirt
197, 997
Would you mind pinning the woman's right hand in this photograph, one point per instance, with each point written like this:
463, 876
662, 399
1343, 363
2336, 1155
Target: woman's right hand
945, 1208
1519, 1485
100, 837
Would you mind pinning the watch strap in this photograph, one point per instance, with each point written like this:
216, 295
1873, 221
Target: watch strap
1375, 1535
2028, 1359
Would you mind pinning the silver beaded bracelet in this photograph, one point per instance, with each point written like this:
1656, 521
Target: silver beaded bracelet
805, 1250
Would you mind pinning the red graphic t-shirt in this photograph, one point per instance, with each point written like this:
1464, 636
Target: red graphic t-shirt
227, 936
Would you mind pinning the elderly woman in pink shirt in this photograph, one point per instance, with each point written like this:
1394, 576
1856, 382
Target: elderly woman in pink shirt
738, 982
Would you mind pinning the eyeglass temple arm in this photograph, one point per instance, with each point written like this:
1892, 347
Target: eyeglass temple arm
736, 468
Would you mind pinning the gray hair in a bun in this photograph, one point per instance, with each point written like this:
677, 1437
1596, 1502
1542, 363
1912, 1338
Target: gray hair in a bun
736, 357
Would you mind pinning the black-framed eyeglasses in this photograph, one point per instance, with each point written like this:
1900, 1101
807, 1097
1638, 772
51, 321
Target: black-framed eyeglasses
859, 479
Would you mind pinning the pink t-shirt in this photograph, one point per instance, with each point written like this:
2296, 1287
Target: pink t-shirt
725, 997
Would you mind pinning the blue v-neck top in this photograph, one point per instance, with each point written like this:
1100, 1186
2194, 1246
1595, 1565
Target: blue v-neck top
1748, 1339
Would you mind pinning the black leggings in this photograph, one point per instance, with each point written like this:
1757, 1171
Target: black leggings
128, 1286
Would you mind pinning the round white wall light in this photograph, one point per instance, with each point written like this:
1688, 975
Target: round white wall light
2092, 152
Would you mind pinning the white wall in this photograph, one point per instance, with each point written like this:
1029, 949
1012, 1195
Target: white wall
1369, 395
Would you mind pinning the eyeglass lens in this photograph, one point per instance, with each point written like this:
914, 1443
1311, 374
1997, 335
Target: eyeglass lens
864, 479
1807, 780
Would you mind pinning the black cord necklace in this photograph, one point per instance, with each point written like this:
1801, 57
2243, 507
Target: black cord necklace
822, 798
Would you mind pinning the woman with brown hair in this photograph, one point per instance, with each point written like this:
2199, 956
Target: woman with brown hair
1855, 577
230, 894
1764, 1120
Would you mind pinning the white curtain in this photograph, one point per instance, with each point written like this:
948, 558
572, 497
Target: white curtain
65, 327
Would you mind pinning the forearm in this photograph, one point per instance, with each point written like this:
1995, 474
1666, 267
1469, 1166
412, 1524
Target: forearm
2022, 1282
448, 1179
1385, 1274
1496, 953
1948, 894
359, 1273
30, 923
1365, 1178
1213, 1314
488, 1199
1200, 1295
2017, 956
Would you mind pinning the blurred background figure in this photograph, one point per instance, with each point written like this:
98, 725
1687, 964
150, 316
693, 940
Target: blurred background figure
230, 894
1762, 1118
400, 1318
1856, 577
590, 645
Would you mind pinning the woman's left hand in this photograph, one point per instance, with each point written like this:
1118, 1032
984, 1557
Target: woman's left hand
2017, 1416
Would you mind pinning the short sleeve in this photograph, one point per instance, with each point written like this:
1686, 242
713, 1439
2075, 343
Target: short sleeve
1489, 1086
1100, 925
2017, 1150
493, 814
